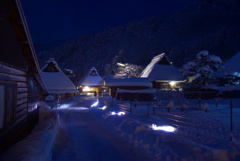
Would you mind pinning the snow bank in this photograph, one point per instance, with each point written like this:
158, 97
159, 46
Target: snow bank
37, 146
163, 145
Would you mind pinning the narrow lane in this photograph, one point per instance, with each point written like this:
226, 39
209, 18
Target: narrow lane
84, 137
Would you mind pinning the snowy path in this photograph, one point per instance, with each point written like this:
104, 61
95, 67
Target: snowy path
84, 137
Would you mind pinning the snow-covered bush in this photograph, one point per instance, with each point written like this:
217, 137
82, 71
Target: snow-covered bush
49, 98
202, 67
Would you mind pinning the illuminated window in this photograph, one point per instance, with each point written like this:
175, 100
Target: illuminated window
86, 89
172, 84
8, 98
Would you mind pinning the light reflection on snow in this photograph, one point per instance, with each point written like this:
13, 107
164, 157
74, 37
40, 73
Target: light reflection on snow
64, 106
103, 108
95, 104
164, 128
72, 108
119, 113
81, 108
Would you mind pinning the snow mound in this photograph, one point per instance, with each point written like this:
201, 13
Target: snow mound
163, 145
37, 146
50, 98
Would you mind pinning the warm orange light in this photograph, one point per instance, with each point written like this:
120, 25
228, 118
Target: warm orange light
172, 83
86, 89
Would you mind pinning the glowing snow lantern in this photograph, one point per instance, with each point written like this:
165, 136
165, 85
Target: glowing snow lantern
95, 104
104, 107
64, 106
119, 113
164, 128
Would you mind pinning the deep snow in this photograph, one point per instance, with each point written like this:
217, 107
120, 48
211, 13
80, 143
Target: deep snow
86, 133
83, 137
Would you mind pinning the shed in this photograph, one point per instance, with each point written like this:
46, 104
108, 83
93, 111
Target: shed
19, 79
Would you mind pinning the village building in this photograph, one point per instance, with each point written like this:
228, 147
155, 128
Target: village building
229, 77
91, 83
55, 82
162, 73
130, 85
232, 67
19, 79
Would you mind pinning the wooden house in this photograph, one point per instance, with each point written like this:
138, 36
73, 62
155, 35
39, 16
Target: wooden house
55, 82
19, 87
162, 73
91, 83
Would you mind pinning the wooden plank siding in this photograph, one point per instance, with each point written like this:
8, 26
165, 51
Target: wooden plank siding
8, 73
18, 69
20, 124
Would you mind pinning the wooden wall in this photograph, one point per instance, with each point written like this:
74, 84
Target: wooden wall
20, 127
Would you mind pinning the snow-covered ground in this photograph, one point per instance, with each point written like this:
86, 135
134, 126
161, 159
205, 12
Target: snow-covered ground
187, 142
84, 137
37, 146
81, 131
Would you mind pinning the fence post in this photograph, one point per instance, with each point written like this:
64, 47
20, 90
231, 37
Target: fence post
199, 103
135, 103
112, 102
148, 108
231, 125
182, 106
130, 107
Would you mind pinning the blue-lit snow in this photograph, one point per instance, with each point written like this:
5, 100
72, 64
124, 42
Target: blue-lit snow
95, 104
86, 133
164, 128
103, 108
117, 113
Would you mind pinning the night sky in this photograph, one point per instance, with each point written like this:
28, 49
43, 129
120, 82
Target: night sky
51, 20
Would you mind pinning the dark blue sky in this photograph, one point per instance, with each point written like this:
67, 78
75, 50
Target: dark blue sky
50, 20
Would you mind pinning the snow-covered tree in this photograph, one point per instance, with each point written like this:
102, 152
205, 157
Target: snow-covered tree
202, 67
120, 58
126, 70
69, 73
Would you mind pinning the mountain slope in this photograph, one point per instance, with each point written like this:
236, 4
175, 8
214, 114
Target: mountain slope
210, 25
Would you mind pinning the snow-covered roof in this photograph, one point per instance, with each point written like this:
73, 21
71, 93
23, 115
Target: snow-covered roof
232, 65
51, 60
56, 82
92, 78
144, 82
160, 69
